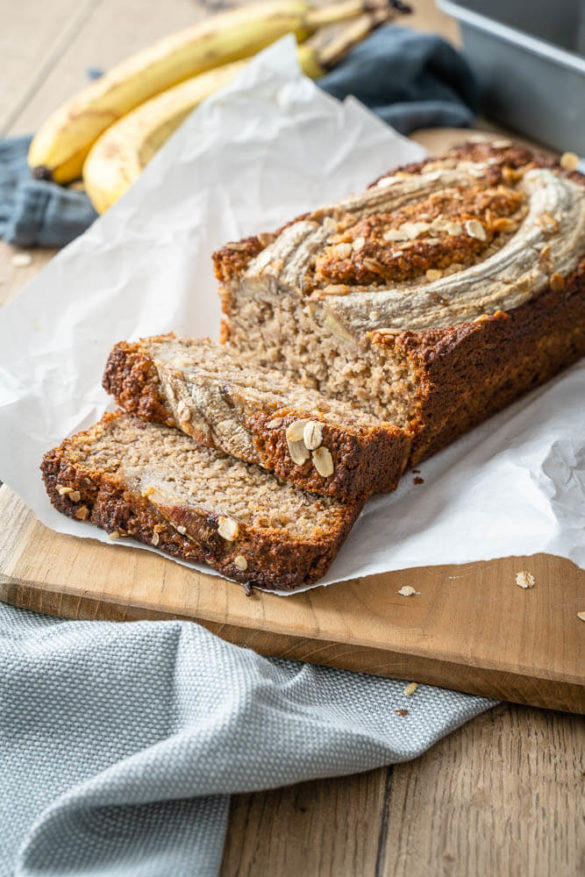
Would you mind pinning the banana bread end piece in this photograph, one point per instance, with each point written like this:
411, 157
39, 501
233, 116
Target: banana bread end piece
158, 486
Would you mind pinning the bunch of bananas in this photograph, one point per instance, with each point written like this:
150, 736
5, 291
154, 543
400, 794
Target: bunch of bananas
110, 130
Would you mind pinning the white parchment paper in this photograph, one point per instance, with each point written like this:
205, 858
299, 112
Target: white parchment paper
268, 147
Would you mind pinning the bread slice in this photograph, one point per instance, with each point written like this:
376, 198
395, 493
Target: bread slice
433, 299
257, 415
159, 486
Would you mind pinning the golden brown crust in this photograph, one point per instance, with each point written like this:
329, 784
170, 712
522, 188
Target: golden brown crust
468, 372
512, 156
496, 202
384, 253
365, 460
131, 378
233, 258
274, 560
508, 164
364, 463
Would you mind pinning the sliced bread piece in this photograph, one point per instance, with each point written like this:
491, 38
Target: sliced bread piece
257, 415
159, 486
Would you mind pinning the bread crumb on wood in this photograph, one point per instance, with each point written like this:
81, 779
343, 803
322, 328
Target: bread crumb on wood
525, 579
21, 260
408, 591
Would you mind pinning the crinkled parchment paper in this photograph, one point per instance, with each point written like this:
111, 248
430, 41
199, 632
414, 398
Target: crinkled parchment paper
267, 148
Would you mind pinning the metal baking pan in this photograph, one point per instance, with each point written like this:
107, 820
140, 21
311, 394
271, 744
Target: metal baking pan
529, 56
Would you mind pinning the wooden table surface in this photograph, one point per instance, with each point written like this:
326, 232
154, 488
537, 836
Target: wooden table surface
501, 796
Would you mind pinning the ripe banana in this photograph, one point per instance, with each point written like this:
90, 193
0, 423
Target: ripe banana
61, 145
123, 151
119, 156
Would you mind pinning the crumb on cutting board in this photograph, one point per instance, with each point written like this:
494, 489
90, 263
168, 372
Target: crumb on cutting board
21, 260
525, 579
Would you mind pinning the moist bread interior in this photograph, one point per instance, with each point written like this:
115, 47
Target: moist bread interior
169, 468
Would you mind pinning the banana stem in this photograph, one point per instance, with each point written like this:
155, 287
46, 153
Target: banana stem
347, 9
338, 46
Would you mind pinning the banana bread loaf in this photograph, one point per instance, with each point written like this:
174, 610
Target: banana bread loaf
438, 296
159, 486
257, 415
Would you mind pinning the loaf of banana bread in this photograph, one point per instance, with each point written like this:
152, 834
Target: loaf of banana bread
257, 415
157, 485
436, 297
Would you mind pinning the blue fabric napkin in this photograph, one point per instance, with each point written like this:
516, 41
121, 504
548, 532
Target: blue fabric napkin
410, 79
121, 742
37, 213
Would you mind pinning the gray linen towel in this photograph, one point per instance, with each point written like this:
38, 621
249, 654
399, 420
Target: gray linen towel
121, 742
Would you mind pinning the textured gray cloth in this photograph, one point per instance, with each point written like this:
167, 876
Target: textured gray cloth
36, 213
410, 79
120, 743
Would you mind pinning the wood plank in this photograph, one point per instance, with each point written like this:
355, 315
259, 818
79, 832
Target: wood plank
308, 829
426, 16
14, 278
470, 628
503, 795
113, 32
32, 40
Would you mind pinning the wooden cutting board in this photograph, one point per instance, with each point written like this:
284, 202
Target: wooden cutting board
470, 627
